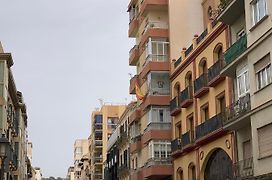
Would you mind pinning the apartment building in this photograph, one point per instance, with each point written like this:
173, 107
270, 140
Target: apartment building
118, 156
248, 62
103, 123
149, 123
13, 123
201, 147
81, 150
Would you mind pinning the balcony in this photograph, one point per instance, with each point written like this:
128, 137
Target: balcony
98, 127
99, 143
214, 76
158, 126
133, 81
157, 168
135, 116
136, 144
202, 36
155, 101
189, 50
231, 10
186, 97
244, 169
153, 5
174, 106
201, 85
98, 160
237, 114
232, 55
122, 170
133, 27
122, 139
134, 55
209, 129
154, 66
154, 32
156, 134
177, 62
176, 145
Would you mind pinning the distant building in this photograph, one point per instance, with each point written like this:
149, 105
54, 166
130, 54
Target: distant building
104, 122
80, 149
70, 173
13, 122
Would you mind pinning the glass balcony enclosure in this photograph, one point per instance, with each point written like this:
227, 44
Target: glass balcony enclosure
158, 83
159, 149
158, 119
133, 12
135, 130
156, 50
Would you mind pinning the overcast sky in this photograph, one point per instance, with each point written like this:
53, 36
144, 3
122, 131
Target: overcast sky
67, 54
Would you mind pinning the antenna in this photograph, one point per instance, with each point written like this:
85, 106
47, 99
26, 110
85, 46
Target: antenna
101, 101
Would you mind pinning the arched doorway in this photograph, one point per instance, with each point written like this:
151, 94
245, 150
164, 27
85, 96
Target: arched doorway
219, 166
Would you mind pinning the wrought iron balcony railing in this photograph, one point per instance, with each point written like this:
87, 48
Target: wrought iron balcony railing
244, 169
209, 126
201, 82
237, 109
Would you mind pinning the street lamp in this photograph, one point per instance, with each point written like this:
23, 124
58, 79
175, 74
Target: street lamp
4, 150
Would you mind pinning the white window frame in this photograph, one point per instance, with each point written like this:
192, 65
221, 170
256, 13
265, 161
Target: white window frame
148, 50
164, 145
244, 74
265, 75
166, 115
255, 7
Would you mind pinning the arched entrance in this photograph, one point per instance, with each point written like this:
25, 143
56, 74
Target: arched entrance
219, 166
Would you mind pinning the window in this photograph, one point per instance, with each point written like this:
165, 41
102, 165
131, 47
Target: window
258, 10
191, 126
156, 50
242, 82
263, 72
220, 104
204, 113
247, 150
159, 149
178, 130
265, 140
159, 115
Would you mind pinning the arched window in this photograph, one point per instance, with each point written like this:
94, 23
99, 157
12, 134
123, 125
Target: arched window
192, 171
188, 79
203, 67
218, 53
176, 89
179, 174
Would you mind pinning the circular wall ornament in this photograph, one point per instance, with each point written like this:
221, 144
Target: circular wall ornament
201, 155
227, 144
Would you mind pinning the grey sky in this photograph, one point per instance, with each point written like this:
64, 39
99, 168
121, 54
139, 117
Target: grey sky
67, 54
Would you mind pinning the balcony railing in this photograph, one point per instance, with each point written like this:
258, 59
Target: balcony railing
187, 138
176, 144
158, 161
158, 126
202, 36
121, 170
189, 50
214, 70
186, 94
174, 104
244, 169
209, 126
98, 142
237, 109
235, 50
98, 160
201, 82
159, 91
177, 62
123, 138
155, 25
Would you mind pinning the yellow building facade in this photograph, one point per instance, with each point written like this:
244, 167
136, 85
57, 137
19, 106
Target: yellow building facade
201, 147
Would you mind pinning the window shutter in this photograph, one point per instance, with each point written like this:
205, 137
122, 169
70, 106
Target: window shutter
261, 64
265, 140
